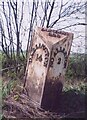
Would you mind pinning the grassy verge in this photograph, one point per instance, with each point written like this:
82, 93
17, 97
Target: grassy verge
0, 98
75, 84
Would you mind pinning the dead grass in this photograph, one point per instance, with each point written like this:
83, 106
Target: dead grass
71, 102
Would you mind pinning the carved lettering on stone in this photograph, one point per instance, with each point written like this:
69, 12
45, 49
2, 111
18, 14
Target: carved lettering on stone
39, 55
61, 51
47, 63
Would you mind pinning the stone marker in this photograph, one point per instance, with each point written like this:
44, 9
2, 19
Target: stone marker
47, 64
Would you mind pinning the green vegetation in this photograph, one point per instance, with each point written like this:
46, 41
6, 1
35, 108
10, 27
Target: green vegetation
0, 97
8, 88
75, 73
0, 60
76, 67
14, 61
12, 68
78, 86
73, 89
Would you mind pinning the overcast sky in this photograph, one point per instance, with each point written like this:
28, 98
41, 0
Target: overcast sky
79, 31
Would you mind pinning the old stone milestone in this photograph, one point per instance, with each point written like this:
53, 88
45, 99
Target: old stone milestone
46, 65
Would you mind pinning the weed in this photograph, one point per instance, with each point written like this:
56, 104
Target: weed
8, 88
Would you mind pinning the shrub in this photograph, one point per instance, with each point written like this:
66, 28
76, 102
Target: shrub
76, 66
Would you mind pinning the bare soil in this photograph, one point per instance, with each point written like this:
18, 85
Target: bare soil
69, 104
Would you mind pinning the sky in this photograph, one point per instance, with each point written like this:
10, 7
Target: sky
79, 31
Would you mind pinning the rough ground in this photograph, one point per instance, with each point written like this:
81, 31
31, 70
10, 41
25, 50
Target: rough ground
19, 106
70, 104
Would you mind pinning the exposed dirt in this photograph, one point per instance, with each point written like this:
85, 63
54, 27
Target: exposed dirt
69, 104
19, 106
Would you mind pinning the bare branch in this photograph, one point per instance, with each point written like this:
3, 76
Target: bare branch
31, 26
48, 21
52, 24
21, 16
70, 9
45, 13
73, 25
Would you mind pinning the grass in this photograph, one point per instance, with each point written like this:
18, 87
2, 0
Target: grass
0, 98
70, 101
72, 96
75, 84
0, 60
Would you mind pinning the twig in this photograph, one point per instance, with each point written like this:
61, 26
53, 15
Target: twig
11, 67
48, 21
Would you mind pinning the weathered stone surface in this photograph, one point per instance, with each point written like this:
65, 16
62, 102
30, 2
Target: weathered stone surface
47, 64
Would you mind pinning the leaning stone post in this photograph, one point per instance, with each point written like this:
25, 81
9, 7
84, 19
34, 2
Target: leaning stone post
47, 64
